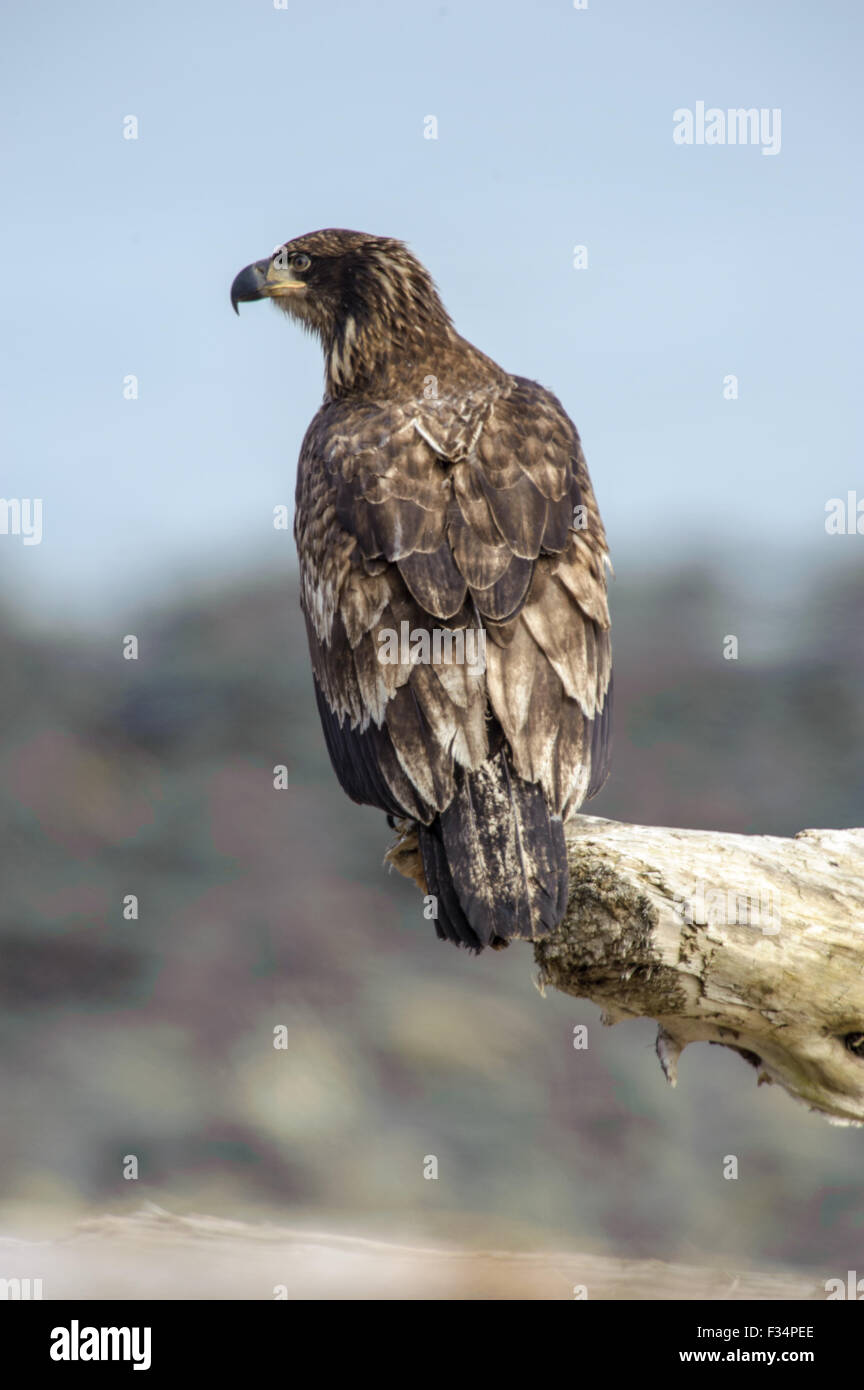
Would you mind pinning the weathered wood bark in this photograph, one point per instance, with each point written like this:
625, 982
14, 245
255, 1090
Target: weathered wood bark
155, 1254
750, 941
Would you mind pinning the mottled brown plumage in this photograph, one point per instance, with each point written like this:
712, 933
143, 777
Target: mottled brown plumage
437, 490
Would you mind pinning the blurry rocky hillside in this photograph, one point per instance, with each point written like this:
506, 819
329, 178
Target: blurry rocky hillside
260, 908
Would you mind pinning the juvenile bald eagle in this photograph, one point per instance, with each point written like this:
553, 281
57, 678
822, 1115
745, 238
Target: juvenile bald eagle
442, 502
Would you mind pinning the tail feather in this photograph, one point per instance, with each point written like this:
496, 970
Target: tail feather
496, 859
451, 924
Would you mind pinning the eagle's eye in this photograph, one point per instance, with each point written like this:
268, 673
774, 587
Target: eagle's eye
855, 1043
300, 261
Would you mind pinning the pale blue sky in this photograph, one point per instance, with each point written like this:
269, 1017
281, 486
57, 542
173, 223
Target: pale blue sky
555, 128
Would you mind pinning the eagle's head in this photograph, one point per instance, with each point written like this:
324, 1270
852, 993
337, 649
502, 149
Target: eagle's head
367, 298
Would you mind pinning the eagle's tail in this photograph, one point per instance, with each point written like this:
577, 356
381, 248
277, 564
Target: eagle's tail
495, 859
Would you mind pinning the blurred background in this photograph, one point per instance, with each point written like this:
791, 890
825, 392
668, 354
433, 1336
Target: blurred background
160, 433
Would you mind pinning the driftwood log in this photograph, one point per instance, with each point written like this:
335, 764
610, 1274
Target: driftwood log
750, 941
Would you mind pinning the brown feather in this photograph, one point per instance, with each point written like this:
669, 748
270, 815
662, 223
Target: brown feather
504, 599
435, 581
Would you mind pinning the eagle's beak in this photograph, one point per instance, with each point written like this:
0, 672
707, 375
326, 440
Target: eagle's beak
263, 280
249, 284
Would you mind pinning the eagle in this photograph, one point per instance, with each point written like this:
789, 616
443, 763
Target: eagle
453, 571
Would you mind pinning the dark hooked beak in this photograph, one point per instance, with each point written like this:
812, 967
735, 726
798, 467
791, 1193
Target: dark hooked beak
266, 280
250, 284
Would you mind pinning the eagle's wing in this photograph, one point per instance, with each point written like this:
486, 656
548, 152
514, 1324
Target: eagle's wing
550, 666
478, 517
371, 530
